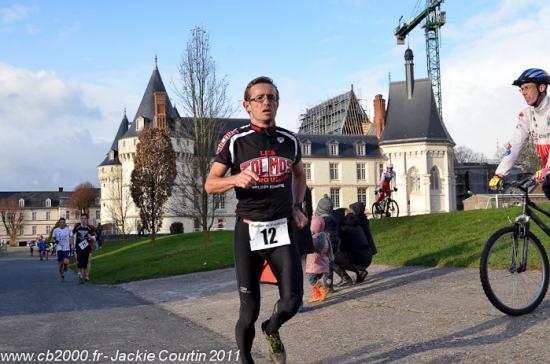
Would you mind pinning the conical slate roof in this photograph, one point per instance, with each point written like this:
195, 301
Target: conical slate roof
415, 119
147, 105
122, 129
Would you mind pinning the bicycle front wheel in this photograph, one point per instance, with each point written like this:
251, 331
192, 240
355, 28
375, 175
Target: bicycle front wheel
510, 288
393, 209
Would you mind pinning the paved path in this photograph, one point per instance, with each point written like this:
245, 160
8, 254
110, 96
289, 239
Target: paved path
38, 312
417, 315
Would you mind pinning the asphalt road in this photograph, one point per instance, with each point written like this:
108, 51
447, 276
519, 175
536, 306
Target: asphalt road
39, 313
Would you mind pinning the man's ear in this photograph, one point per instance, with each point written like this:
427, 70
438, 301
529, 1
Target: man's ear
543, 88
246, 105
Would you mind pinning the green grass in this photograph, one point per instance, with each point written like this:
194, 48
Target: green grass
124, 261
439, 240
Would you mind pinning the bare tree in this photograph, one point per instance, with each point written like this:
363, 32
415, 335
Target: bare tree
83, 196
153, 177
121, 203
467, 155
204, 98
12, 217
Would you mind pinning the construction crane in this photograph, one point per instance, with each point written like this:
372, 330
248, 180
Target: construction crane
435, 19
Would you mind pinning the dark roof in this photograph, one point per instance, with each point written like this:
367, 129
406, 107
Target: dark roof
415, 119
122, 129
147, 106
346, 145
37, 199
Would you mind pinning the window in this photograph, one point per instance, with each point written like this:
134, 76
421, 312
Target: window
21, 230
361, 176
335, 197
48, 215
333, 148
111, 155
333, 171
219, 201
306, 148
76, 214
380, 170
98, 214
414, 180
140, 123
196, 224
34, 230
434, 179
362, 195
48, 228
221, 223
48, 203
21, 202
67, 215
307, 170
360, 149
34, 216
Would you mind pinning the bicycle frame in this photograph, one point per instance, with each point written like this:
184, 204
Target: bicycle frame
522, 223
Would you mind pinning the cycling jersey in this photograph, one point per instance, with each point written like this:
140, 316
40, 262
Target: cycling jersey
386, 179
271, 154
534, 122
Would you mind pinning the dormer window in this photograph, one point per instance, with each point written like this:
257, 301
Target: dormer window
48, 203
333, 148
21, 202
360, 149
112, 155
140, 123
306, 148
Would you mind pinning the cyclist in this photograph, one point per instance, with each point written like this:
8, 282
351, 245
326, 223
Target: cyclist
534, 120
62, 235
269, 181
386, 183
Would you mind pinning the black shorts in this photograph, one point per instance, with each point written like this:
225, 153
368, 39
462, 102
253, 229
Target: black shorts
62, 255
82, 257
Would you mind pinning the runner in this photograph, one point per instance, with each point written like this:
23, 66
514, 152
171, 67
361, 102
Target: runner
267, 174
42, 245
62, 235
83, 237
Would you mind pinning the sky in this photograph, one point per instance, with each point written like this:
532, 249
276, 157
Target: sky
68, 69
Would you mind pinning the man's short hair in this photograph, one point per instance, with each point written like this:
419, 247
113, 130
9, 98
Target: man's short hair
257, 80
62, 218
84, 214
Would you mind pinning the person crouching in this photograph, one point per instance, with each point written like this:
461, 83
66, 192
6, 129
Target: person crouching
317, 263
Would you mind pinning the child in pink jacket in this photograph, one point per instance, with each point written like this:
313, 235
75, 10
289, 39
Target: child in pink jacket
317, 263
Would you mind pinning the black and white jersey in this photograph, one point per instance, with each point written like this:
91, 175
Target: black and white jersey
271, 154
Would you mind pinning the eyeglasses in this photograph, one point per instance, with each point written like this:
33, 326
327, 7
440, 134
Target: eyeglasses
261, 98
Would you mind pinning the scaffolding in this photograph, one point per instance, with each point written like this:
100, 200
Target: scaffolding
339, 115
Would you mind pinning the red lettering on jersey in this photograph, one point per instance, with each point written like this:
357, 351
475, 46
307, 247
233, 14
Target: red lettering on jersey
225, 138
267, 153
268, 166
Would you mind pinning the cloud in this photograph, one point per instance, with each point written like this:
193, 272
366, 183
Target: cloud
54, 133
479, 103
15, 13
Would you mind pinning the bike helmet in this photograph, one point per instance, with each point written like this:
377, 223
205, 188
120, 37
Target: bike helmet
535, 75
389, 165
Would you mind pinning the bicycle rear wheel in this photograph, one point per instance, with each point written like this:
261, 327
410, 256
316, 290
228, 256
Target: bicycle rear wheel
393, 209
508, 288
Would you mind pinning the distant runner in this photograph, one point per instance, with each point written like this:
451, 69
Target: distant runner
83, 237
62, 236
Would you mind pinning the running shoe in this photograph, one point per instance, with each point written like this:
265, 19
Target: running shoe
275, 346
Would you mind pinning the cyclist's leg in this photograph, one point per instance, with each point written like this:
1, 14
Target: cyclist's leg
287, 267
248, 267
381, 196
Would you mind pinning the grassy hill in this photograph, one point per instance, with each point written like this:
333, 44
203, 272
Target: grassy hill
443, 240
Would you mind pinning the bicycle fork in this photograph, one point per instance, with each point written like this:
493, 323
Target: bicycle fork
521, 233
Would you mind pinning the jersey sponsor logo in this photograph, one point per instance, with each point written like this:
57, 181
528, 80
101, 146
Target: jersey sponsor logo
268, 166
508, 150
548, 121
521, 114
280, 139
225, 138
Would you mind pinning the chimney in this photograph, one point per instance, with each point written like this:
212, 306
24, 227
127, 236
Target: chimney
409, 72
60, 189
160, 109
379, 114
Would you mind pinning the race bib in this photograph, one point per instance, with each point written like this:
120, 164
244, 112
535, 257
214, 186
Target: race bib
268, 234
83, 244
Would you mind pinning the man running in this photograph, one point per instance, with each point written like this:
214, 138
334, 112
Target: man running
62, 235
83, 236
42, 246
267, 174
532, 121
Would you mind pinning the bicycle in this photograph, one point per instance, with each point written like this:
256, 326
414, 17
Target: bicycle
514, 265
387, 207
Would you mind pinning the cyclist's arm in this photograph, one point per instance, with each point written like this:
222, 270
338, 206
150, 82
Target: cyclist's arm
514, 148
